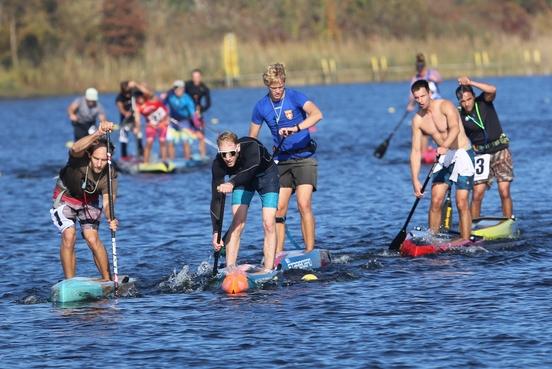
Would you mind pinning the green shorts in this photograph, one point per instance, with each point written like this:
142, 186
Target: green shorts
296, 172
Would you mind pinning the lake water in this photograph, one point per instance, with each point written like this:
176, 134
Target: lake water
372, 308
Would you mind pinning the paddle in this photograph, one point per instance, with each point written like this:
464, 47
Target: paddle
382, 148
401, 236
219, 233
112, 212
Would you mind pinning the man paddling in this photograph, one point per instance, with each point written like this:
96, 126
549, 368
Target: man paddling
288, 113
439, 119
251, 168
76, 196
490, 143
84, 112
127, 119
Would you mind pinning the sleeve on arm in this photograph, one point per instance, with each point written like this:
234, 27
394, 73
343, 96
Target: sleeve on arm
207, 105
256, 116
216, 197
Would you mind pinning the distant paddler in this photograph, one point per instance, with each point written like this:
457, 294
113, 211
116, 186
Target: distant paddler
84, 113
251, 169
76, 197
440, 120
494, 159
181, 128
127, 119
157, 120
201, 95
289, 113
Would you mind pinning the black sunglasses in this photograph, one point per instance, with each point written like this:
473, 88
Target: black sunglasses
224, 154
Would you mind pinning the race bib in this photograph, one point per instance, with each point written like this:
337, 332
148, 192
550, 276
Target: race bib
157, 116
482, 166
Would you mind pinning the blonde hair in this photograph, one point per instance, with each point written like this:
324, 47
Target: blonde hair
274, 73
227, 136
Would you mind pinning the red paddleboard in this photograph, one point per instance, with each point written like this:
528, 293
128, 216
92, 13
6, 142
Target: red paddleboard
420, 243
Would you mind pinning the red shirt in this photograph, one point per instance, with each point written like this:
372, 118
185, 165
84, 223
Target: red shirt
155, 112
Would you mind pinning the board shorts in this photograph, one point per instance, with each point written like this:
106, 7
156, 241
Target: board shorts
296, 172
65, 215
267, 184
180, 132
501, 168
156, 131
462, 182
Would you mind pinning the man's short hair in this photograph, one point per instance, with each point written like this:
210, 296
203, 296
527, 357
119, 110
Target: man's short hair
461, 89
421, 83
101, 142
274, 73
227, 136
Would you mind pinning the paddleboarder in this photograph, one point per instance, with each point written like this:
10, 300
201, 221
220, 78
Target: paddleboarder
494, 159
84, 112
440, 120
127, 119
76, 197
289, 114
251, 169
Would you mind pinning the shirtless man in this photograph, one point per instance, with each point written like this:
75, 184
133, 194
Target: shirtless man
440, 120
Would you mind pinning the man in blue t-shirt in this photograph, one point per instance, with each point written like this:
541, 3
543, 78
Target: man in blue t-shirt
289, 114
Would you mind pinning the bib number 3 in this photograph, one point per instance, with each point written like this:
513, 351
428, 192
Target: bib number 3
482, 167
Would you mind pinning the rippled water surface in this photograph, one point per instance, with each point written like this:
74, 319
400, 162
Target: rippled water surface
372, 308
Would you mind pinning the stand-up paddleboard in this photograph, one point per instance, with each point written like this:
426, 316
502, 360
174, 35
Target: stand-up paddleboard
495, 228
421, 242
80, 289
300, 259
244, 277
429, 155
135, 166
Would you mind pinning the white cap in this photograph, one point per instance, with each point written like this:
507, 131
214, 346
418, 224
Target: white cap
178, 83
91, 94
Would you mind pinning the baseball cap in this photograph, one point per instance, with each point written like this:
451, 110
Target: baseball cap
178, 83
91, 94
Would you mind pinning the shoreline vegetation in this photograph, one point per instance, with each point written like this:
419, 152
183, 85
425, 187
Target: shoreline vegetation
59, 50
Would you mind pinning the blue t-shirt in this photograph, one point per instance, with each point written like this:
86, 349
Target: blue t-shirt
281, 114
182, 107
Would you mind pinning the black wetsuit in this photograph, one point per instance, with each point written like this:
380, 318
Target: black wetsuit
491, 131
200, 94
254, 171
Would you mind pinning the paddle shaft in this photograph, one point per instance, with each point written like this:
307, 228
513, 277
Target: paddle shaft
112, 211
219, 233
398, 124
418, 198
379, 152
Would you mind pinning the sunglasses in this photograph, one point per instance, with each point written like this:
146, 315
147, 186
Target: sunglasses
230, 154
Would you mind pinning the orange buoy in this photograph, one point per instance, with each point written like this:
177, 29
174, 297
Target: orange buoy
235, 282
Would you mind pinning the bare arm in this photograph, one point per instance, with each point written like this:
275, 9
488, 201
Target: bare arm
254, 130
79, 148
72, 111
488, 89
415, 152
314, 115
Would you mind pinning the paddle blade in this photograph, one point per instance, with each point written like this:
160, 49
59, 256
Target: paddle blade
397, 242
381, 149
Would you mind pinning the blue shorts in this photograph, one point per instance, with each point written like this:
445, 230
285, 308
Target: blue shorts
267, 184
462, 183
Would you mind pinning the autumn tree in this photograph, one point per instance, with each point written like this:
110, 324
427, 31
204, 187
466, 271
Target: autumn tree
123, 27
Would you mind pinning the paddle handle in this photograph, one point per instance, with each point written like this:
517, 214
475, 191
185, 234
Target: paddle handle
112, 211
219, 233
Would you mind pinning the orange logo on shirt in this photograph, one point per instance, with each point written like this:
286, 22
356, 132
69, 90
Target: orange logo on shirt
289, 114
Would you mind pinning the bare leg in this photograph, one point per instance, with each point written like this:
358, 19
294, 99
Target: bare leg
438, 192
505, 198
163, 148
98, 251
187, 151
463, 205
283, 202
477, 199
232, 241
304, 204
67, 253
172, 153
147, 151
269, 248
